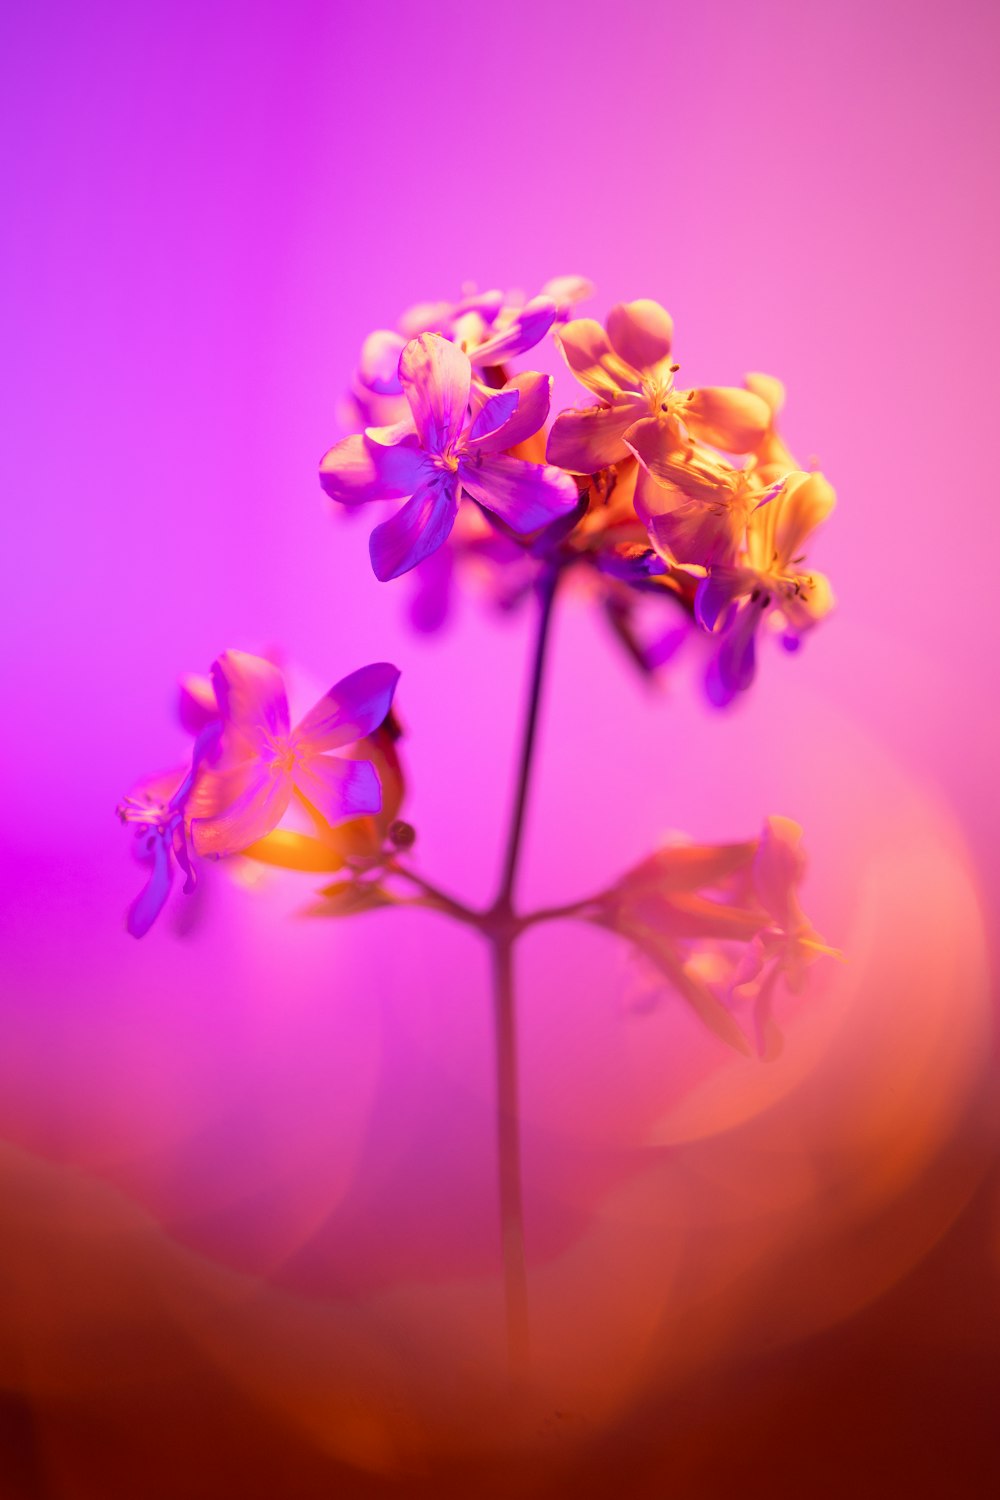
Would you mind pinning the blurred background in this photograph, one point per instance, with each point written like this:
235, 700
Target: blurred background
248, 1181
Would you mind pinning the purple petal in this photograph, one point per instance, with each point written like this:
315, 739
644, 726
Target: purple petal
415, 531
589, 439
533, 392
524, 495
436, 377
255, 812
378, 367
150, 901
715, 594
736, 663
252, 700
338, 789
355, 707
495, 413
358, 470
529, 326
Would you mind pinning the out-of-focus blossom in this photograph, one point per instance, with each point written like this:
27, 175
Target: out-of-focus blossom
629, 367
443, 453
264, 763
722, 923
160, 818
768, 581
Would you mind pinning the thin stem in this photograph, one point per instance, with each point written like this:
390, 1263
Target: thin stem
546, 596
509, 1155
440, 898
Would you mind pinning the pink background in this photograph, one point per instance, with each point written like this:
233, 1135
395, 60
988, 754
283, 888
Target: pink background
206, 207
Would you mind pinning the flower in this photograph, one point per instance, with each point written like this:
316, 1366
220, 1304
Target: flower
263, 762
441, 454
161, 826
722, 923
630, 369
769, 580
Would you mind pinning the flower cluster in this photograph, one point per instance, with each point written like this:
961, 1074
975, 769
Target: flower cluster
689, 495
650, 492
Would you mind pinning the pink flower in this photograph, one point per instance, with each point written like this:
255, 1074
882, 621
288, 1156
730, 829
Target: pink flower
264, 763
442, 454
630, 369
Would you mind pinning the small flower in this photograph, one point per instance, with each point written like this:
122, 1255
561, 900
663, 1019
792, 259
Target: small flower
722, 923
769, 581
630, 369
442, 454
264, 763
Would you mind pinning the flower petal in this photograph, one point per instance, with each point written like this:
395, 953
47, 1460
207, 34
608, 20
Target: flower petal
436, 376
805, 501
727, 417
524, 495
641, 332
534, 392
252, 701
255, 812
359, 469
529, 326
588, 439
338, 789
416, 531
717, 592
733, 669
354, 707
588, 352
494, 413
378, 367
150, 901
778, 869
565, 291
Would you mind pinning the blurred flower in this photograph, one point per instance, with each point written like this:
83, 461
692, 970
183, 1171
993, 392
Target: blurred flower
630, 369
722, 923
264, 763
440, 453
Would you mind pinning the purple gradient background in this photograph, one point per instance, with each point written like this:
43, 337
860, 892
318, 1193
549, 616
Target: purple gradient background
206, 207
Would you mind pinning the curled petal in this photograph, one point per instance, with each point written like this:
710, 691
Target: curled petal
586, 349
252, 702
338, 789
355, 707
727, 417
698, 474
531, 323
150, 901
436, 377
258, 809
378, 367
589, 439
717, 592
734, 667
534, 392
806, 500
694, 534
641, 332
197, 706
416, 531
524, 495
493, 415
359, 469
